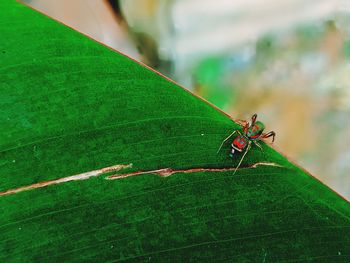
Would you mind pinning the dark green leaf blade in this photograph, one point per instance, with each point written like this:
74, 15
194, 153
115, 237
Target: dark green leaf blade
70, 106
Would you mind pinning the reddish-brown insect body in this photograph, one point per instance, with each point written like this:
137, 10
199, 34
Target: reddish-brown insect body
239, 143
252, 132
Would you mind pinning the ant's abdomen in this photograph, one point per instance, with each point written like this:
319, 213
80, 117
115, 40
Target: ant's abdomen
239, 143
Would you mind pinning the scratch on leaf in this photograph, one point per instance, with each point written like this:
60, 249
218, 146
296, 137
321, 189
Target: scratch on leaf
162, 172
82, 176
168, 171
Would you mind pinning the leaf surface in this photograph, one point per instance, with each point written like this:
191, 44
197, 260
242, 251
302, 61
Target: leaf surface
71, 108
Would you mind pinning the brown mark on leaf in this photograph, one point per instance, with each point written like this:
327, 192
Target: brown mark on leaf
168, 171
82, 176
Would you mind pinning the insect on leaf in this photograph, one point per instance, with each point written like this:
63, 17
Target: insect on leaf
102, 159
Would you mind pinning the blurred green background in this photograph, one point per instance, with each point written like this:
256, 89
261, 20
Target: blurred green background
289, 62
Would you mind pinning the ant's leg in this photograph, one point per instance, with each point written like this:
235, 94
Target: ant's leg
257, 144
226, 139
243, 123
248, 148
269, 134
245, 128
254, 119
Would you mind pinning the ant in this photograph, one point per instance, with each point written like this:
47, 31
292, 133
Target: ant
251, 134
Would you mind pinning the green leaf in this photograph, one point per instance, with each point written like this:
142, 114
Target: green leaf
71, 108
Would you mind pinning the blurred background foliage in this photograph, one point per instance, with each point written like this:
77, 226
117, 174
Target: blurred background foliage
289, 61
